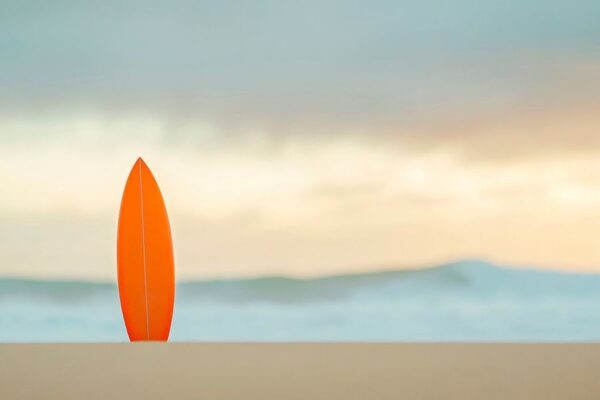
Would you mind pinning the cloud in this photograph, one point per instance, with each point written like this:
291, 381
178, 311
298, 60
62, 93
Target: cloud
293, 67
309, 137
302, 207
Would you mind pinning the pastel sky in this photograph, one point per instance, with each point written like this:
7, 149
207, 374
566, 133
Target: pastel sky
303, 138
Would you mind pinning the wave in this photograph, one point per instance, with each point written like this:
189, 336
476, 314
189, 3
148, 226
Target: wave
463, 301
475, 278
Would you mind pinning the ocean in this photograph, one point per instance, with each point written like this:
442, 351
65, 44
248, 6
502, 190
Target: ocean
463, 301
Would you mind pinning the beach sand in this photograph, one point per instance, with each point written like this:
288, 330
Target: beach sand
299, 371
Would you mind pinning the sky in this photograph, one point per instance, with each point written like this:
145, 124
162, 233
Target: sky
306, 138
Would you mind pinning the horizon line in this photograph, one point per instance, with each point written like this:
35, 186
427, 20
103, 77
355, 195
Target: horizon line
383, 270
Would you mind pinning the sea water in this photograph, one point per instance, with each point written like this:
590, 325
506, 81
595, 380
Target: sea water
467, 301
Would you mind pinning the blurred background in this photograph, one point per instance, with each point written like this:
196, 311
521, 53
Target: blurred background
307, 140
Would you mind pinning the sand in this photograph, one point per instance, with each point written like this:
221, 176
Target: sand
299, 371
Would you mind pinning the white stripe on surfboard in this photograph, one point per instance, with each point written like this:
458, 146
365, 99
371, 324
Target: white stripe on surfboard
144, 253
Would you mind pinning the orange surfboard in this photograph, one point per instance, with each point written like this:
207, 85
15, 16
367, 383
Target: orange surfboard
145, 266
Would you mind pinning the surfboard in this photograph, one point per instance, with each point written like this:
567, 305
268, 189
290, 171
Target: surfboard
145, 267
